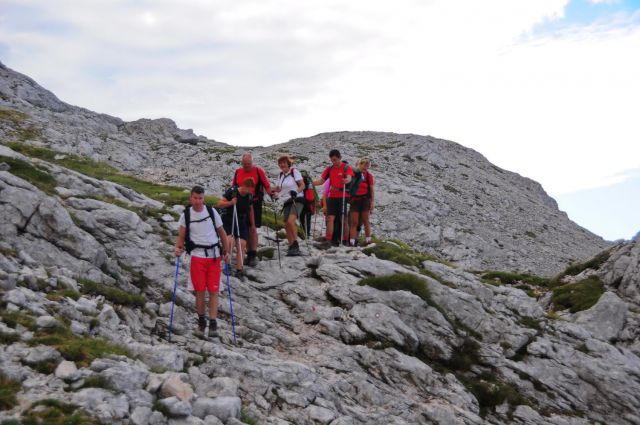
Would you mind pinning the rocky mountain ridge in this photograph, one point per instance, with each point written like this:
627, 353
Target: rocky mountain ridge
86, 274
434, 194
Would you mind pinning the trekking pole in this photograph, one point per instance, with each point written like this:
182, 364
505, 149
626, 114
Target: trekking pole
275, 220
239, 252
344, 196
315, 219
173, 303
233, 319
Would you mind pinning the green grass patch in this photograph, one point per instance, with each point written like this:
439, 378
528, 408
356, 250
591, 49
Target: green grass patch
37, 177
12, 115
46, 367
82, 350
246, 418
9, 338
490, 392
55, 412
158, 406
8, 391
60, 294
8, 252
96, 381
170, 195
583, 348
115, 295
531, 323
508, 278
465, 356
399, 282
271, 219
399, 252
578, 296
575, 269
15, 318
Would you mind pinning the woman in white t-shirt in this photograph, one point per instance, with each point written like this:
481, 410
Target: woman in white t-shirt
291, 185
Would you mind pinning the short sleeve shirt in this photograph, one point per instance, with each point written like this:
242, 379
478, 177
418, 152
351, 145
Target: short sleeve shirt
363, 187
337, 176
289, 182
256, 173
202, 230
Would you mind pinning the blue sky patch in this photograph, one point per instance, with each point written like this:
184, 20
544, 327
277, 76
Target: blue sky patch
583, 13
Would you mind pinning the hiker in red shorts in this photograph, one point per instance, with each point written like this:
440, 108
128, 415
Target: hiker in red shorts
201, 234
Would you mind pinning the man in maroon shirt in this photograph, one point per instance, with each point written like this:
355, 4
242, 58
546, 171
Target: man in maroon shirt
261, 185
339, 174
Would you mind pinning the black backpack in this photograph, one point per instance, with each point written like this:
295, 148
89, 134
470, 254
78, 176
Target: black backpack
189, 245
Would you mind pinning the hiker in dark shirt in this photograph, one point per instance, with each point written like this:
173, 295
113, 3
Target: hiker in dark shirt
242, 199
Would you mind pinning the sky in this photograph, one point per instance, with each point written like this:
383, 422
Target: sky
545, 88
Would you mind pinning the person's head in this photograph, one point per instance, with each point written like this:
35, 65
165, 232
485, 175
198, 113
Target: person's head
247, 161
335, 156
285, 162
197, 197
363, 164
246, 186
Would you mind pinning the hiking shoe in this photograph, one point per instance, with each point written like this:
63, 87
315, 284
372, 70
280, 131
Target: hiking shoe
294, 250
325, 244
240, 274
199, 332
252, 261
213, 329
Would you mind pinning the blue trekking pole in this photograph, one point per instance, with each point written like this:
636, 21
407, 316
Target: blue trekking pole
233, 320
175, 285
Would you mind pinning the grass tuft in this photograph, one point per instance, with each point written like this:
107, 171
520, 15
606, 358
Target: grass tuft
55, 412
115, 295
8, 391
491, 393
170, 195
82, 350
400, 282
507, 278
12, 115
39, 178
575, 269
578, 296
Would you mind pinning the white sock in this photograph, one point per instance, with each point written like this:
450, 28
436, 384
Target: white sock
368, 239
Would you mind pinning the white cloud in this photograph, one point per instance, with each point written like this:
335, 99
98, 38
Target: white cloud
557, 109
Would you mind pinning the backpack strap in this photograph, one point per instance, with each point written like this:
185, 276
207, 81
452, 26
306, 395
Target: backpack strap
189, 244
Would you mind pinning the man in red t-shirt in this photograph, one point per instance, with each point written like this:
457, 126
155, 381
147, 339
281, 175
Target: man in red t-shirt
339, 175
261, 185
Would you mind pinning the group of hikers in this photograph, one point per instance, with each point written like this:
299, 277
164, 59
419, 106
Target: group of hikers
209, 236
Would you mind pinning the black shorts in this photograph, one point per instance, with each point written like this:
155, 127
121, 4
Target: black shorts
334, 205
360, 204
257, 212
243, 227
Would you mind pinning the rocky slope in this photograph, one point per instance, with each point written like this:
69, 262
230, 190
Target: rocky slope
314, 347
435, 194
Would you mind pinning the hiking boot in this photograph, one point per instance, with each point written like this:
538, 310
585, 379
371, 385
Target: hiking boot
240, 274
199, 332
202, 325
252, 261
213, 329
324, 244
294, 250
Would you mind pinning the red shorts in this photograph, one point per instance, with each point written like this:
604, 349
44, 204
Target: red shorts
205, 274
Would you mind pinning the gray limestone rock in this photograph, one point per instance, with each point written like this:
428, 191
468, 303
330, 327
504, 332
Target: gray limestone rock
606, 318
